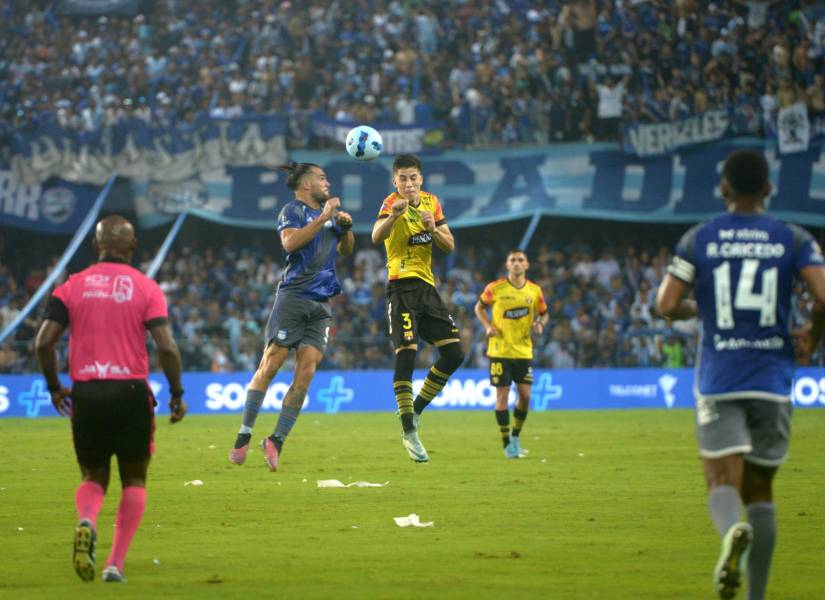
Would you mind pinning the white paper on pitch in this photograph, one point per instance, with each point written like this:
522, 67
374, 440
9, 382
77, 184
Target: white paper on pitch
334, 483
412, 521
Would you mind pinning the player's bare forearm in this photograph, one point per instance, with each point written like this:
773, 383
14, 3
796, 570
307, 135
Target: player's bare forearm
47, 359
443, 238
44, 347
168, 355
382, 229
686, 309
817, 324
481, 313
295, 238
346, 244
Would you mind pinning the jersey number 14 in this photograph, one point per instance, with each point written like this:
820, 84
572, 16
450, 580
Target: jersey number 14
745, 299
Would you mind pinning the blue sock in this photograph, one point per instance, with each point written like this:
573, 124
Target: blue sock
289, 414
254, 400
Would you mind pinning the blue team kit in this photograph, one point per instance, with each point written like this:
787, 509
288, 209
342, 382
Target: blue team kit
742, 268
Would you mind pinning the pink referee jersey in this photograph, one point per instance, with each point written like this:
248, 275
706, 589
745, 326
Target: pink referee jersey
109, 305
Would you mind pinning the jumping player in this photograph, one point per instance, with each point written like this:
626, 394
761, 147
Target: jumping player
409, 221
313, 233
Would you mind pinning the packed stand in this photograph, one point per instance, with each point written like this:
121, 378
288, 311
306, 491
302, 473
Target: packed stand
491, 72
600, 301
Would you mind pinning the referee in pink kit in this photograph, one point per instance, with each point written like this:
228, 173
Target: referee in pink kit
108, 309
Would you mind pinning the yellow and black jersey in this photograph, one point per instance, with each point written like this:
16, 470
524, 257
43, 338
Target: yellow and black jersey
514, 310
409, 245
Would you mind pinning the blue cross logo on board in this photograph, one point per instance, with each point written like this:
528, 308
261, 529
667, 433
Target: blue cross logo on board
545, 391
36, 397
335, 394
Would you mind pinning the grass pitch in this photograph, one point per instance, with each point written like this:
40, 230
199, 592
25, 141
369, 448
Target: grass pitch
608, 505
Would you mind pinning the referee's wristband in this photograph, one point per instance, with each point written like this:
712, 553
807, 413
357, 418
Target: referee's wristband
176, 393
54, 388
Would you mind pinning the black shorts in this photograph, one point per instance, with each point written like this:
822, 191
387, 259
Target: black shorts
504, 371
112, 417
415, 309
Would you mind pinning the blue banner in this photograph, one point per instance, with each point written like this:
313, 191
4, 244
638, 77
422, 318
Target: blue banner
136, 150
656, 139
94, 8
475, 188
355, 391
398, 139
56, 206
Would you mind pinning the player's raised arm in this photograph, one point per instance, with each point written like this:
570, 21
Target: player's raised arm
390, 212
436, 224
294, 238
346, 242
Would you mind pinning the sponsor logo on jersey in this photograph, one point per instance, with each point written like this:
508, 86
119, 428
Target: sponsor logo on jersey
420, 239
517, 313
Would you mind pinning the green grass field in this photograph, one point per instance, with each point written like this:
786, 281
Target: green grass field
608, 505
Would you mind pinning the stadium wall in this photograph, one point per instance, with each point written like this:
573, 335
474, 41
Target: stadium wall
359, 391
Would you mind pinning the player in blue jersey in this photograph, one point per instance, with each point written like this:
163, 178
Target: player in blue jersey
741, 267
313, 233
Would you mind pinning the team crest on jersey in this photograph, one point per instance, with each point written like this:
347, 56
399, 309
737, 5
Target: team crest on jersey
420, 239
516, 313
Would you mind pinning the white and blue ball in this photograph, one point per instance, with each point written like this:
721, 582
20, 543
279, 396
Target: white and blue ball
364, 143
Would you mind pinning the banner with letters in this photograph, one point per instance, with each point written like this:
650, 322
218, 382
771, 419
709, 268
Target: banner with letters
398, 139
55, 206
136, 150
93, 8
488, 186
657, 139
354, 391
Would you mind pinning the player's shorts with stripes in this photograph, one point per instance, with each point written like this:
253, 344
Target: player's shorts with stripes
504, 371
115, 417
414, 309
759, 429
297, 321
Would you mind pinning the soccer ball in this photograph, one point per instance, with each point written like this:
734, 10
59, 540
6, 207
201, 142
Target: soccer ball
364, 143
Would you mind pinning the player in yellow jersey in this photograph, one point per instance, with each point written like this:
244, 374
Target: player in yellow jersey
409, 221
518, 309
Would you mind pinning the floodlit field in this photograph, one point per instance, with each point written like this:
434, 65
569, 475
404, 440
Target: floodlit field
608, 505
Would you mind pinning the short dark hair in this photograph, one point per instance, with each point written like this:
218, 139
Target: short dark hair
405, 161
295, 171
516, 251
746, 171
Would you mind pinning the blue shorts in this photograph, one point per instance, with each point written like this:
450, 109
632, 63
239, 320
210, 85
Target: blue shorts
295, 321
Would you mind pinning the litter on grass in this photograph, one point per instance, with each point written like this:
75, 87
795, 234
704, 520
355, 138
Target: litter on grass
334, 483
412, 521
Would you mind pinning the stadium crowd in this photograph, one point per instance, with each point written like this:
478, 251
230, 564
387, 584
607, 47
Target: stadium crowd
600, 300
490, 71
